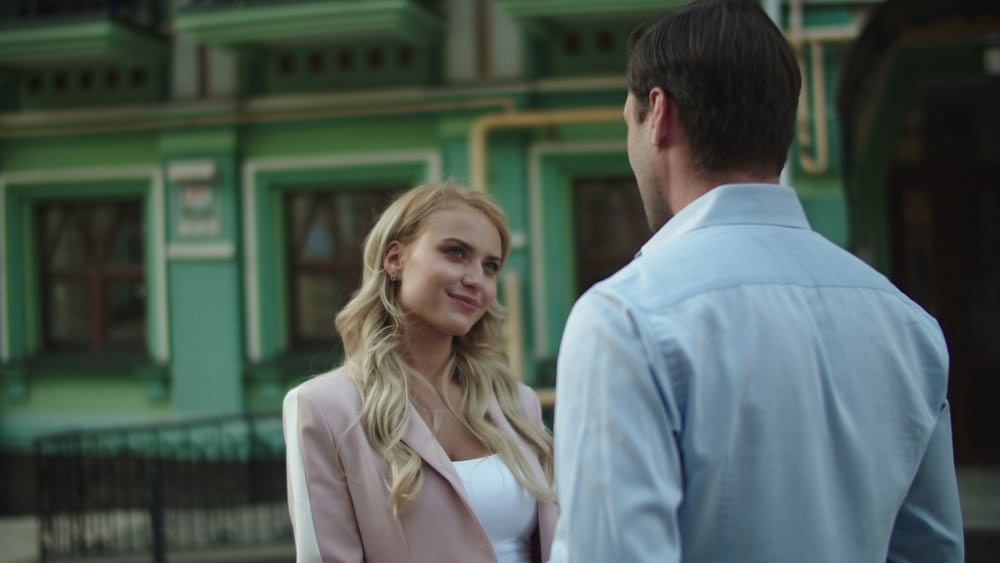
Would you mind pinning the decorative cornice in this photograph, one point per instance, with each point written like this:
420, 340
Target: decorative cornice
253, 25
61, 44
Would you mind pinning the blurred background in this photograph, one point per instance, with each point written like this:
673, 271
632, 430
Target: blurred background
185, 184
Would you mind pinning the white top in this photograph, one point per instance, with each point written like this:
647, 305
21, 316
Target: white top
507, 512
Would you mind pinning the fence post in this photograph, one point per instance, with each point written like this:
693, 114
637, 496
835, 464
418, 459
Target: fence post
156, 511
43, 508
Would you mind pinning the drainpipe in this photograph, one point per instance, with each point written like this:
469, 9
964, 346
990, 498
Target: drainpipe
513, 328
821, 162
815, 37
483, 125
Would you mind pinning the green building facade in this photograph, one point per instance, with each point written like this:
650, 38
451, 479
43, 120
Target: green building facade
184, 185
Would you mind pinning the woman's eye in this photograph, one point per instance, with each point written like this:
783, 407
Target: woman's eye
456, 251
492, 266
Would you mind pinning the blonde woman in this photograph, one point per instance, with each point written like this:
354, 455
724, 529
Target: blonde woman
423, 446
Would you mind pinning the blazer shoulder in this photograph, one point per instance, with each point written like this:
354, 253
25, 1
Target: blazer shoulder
333, 393
530, 404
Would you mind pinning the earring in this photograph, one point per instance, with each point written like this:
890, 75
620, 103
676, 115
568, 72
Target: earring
392, 278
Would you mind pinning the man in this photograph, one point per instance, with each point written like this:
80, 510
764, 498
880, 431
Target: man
744, 390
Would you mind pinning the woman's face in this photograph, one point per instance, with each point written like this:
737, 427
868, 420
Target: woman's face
447, 276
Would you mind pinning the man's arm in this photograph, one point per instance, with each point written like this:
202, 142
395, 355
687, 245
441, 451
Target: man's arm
618, 469
929, 524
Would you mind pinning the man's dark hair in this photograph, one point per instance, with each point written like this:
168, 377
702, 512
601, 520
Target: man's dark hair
733, 76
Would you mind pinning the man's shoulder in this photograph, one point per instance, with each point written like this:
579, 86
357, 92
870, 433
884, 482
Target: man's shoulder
661, 274
733, 257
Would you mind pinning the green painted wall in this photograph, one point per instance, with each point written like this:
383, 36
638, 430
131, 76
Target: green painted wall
53, 153
354, 134
206, 367
206, 297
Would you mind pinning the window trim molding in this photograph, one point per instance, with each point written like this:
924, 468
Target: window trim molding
543, 157
25, 181
256, 186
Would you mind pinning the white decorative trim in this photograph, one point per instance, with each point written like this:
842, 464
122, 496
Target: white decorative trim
251, 167
183, 171
536, 155
160, 234
4, 303
195, 251
250, 290
87, 174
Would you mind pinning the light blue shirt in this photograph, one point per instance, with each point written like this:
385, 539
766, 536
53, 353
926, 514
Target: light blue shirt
744, 390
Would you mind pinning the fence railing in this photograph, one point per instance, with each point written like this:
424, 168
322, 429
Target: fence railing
192, 486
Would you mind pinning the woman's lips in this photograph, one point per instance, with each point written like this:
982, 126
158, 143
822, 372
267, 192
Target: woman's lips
467, 303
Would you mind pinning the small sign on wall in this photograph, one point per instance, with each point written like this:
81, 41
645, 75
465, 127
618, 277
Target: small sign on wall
196, 197
198, 216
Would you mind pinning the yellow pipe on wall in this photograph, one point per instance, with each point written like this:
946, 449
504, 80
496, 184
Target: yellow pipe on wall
483, 125
513, 329
821, 162
815, 110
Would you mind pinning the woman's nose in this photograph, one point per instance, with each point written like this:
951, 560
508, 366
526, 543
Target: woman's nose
473, 276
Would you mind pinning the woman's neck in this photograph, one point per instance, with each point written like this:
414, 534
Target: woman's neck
430, 358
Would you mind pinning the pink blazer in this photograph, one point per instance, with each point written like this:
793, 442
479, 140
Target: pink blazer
339, 503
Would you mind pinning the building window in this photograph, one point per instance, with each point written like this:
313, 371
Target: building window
324, 236
610, 227
92, 274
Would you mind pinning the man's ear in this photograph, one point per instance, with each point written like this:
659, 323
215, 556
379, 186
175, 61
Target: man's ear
392, 262
661, 113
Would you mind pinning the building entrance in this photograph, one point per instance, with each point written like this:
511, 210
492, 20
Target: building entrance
944, 202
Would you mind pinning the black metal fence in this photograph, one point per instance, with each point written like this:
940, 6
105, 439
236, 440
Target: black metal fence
192, 486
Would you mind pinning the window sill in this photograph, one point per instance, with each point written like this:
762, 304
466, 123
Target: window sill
15, 375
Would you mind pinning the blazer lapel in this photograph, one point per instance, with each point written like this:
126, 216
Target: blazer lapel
503, 424
419, 437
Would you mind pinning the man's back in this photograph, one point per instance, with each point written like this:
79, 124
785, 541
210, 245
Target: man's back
772, 396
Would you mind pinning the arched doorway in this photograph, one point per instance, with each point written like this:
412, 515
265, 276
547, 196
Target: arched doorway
920, 111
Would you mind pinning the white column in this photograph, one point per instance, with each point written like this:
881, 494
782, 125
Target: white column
461, 46
506, 44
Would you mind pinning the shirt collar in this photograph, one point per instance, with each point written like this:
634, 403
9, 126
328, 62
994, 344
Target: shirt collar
734, 204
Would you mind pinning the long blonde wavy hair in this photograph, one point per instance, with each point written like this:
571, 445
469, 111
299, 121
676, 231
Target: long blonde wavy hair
372, 325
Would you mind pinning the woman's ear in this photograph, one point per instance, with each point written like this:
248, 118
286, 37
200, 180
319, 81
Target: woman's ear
392, 262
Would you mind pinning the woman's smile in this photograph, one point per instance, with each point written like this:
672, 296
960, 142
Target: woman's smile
468, 303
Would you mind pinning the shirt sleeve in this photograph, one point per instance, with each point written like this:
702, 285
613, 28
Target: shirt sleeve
319, 502
928, 526
618, 468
